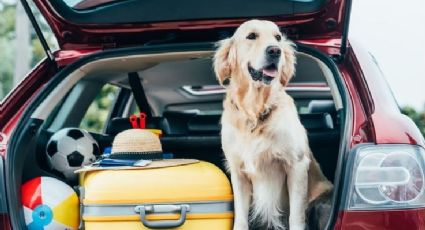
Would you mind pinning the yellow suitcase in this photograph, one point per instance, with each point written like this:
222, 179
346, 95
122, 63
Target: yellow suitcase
190, 197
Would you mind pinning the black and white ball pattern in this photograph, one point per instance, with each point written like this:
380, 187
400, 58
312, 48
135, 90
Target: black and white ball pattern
69, 149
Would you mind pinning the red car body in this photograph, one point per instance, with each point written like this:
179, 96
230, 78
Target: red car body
375, 116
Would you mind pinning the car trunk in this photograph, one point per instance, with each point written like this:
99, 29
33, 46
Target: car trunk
188, 134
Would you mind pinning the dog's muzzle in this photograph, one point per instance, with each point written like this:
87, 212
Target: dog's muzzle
265, 74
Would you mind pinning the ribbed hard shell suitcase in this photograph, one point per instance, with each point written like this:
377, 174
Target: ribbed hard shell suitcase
194, 196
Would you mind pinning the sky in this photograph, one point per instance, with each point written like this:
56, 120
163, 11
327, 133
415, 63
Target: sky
394, 32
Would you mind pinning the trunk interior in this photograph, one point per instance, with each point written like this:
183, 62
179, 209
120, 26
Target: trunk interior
185, 101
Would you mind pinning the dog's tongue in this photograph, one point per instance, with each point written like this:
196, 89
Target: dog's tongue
271, 73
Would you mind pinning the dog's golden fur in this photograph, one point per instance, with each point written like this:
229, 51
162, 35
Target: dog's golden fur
272, 168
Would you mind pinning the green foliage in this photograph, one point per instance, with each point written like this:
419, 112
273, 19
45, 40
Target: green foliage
6, 67
37, 52
417, 116
7, 33
7, 20
7, 44
96, 115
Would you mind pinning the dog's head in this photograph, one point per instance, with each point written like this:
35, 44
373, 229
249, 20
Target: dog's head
257, 52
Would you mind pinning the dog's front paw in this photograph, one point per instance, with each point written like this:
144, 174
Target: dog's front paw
240, 226
296, 226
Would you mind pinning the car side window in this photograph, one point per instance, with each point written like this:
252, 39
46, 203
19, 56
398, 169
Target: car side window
96, 116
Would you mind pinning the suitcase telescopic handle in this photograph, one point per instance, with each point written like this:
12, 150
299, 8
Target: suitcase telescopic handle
143, 210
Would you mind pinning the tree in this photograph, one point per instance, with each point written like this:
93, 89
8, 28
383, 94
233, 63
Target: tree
7, 35
416, 116
97, 114
8, 45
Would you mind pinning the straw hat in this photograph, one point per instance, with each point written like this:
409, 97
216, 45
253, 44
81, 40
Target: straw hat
136, 144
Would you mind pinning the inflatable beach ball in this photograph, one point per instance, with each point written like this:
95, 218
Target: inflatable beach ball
50, 204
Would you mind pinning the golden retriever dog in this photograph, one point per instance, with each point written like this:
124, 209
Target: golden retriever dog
272, 169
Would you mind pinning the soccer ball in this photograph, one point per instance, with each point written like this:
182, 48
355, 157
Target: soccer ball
70, 149
49, 203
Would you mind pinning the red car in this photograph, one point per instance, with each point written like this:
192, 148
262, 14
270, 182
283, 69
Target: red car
372, 153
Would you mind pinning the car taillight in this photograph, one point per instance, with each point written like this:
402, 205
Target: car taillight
387, 177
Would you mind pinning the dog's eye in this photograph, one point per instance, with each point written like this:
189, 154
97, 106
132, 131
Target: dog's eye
278, 37
252, 36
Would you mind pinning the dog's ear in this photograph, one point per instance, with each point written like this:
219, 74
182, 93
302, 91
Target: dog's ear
288, 70
224, 61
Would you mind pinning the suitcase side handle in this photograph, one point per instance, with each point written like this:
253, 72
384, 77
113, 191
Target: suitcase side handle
143, 210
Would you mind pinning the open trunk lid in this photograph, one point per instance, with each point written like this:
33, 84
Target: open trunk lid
80, 24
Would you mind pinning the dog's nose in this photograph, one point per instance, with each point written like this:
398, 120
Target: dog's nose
273, 51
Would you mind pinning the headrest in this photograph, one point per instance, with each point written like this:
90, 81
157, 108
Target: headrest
321, 106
